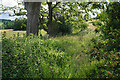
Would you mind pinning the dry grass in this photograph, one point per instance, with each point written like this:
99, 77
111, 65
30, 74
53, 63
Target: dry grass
10, 32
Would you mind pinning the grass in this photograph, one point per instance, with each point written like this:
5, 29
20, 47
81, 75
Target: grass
10, 32
77, 43
77, 46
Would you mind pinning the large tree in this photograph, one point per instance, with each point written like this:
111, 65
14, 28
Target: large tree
33, 11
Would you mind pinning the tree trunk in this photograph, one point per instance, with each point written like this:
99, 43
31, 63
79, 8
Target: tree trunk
33, 11
50, 24
50, 18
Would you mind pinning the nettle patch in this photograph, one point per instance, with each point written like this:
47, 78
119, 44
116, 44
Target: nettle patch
31, 57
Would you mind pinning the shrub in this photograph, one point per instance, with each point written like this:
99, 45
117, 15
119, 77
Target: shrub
109, 47
59, 28
110, 68
65, 28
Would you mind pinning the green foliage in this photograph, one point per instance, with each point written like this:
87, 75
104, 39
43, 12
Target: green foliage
109, 47
64, 57
17, 24
69, 14
76, 46
83, 26
65, 27
1, 24
77, 43
80, 26
34, 57
104, 50
60, 27
31, 57
97, 23
7, 25
110, 29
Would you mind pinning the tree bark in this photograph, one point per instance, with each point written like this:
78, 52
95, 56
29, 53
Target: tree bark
33, 11
50, 18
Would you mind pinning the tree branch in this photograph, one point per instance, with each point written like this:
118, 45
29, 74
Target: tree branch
55, 5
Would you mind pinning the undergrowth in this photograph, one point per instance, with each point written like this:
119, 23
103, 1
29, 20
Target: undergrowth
38, 57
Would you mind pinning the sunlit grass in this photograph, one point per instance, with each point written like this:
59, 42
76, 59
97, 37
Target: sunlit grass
11, 33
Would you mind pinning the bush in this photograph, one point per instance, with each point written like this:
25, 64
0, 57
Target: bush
110, 68
109, 47
17, 24
65, 28
59, 28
